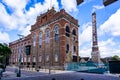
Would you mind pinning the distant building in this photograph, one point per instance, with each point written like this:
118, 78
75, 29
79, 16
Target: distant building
106, 59
84, 59
53, 41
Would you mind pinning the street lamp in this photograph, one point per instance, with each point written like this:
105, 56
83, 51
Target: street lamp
108, 2
20, 54
79, 1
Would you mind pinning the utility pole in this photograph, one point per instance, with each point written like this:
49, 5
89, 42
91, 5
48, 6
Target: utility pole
20, 55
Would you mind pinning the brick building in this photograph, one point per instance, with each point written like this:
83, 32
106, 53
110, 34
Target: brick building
53, 41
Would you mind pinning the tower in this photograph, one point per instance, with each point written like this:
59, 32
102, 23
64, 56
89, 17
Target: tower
95, 50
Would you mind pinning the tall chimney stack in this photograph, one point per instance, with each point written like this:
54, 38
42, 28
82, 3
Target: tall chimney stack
95, 55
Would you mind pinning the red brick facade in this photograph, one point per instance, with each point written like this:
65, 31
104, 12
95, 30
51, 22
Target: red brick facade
53, 40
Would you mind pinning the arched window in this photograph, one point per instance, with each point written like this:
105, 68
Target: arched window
40, 38
67, 48
74, 32
34, 40
47, 36
67, 31
56, 31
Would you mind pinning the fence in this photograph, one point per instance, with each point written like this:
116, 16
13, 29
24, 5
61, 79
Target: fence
88, 67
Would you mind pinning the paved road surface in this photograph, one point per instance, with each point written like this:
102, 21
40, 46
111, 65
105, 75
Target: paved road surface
69, 76
62, 76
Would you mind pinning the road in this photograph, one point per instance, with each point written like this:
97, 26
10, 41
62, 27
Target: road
30, 75
25, 73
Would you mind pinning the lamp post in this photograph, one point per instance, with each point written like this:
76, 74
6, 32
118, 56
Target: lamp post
20, 55
108, 2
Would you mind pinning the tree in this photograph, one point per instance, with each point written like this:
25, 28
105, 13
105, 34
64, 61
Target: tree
5, 53
115, 58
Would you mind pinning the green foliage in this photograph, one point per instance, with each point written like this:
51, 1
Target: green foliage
5, 53
1, 65
1, 59
1, 62
115, 58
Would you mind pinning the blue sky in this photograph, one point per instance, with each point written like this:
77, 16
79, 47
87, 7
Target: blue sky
17, 16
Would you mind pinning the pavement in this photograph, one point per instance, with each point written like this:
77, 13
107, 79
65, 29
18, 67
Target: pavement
68, 76
47, 71
43, 74
25, 72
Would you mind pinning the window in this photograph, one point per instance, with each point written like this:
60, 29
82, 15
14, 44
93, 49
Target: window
74, 32
24, 59
56, 31
56, 57
16, 59
67, 31
47, 57
67, 48
33, 58
34, 40
28, 59
40, 58
74, 48
40, 38
47, 36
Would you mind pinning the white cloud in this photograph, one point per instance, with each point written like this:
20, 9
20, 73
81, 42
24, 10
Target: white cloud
4, 37
26, 31
69, 5
108, 48
106, 43
97, 7
86, 52
86, 34
6, 19
20, 18
112, 25
16, 4
85, 37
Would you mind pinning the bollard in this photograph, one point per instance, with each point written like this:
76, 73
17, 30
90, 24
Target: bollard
18, 73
